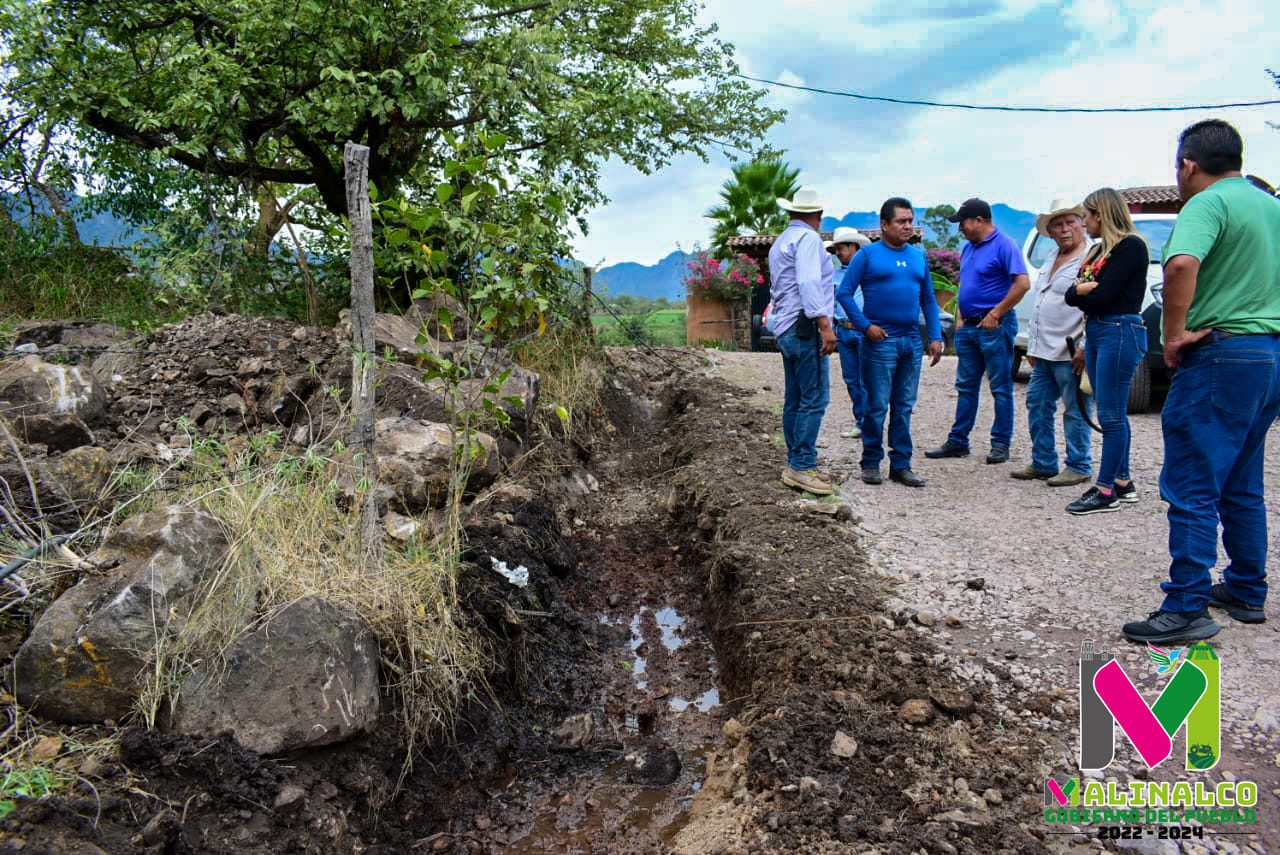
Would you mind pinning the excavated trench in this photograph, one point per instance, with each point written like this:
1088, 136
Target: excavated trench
649, 673
700, 663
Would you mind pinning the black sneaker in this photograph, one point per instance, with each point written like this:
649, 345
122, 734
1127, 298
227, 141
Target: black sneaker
947, 449
906, 477
998, 454
1219, 598
1127, 494
871, 476
1171, 628
1093, 502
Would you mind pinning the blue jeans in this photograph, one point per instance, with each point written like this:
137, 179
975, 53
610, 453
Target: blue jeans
1049, 382
806, 395
990, 352
849, 346
1114, 346
891, 377
1222, 401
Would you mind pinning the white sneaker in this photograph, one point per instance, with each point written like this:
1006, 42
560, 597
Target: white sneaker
851, 432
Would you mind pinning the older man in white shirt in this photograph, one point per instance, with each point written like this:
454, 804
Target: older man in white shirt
803, 293
1053, 375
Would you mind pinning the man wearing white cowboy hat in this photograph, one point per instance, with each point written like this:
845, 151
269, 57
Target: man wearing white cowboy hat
843, 244
803, 294
1053, 375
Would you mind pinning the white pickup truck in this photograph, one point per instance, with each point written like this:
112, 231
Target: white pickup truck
1156, 228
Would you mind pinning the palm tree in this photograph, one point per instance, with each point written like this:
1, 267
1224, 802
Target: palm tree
749, 202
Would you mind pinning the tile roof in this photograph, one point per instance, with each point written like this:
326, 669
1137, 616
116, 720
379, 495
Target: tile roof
752, 241
1165, 193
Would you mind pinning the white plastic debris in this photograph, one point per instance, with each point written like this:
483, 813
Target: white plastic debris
518, 577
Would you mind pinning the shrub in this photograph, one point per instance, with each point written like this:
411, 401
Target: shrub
709, 279
946, 263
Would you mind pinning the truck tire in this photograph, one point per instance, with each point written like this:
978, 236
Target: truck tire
1017, 364
1140, 389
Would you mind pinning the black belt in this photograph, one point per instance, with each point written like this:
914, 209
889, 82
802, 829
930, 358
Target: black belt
976, 319
1216, 336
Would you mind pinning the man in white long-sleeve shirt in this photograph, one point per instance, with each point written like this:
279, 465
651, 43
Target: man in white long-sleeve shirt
803, 293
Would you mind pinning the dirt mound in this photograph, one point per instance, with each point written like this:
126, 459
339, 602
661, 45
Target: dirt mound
245, 374
803, 639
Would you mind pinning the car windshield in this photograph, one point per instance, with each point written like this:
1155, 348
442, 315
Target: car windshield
1040, 249
1156, 233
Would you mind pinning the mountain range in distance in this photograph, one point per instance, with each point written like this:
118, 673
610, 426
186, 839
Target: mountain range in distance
666, 278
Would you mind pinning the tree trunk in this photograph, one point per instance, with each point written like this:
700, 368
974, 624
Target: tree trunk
271, 219
356, 159
60, 211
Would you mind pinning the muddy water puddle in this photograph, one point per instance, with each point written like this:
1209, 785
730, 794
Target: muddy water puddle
658, 713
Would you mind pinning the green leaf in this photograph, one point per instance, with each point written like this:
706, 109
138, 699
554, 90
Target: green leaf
444, 192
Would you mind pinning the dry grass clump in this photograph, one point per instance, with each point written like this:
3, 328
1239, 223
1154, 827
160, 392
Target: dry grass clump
569, 376
292, 535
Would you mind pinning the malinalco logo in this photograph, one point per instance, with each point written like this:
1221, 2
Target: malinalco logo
1190, 699
1108, 698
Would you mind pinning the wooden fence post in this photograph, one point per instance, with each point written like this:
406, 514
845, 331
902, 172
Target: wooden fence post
588, 274
363, 348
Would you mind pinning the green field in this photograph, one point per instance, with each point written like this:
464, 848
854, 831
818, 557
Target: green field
664, 326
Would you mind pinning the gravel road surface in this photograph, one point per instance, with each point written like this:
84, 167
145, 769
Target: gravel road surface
1049, 581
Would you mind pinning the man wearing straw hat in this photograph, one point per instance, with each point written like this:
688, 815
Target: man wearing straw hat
843, 244
1052, 373
803, 295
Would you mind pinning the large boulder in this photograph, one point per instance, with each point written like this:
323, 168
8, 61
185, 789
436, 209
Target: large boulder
68, 487
68, 335
87, 656
307, 677
32, 386
413, 462
79, 477
55, 431
443, 316
395, 333
403, 391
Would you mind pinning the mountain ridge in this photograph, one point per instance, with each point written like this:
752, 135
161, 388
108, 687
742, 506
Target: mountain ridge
665, 277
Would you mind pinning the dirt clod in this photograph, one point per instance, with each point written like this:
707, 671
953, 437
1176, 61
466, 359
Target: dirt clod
844, 745
916, 711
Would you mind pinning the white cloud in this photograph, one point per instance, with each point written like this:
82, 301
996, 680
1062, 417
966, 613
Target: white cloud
1131, 54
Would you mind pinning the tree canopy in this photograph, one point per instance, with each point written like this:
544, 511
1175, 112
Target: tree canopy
939, 233
749, 202
264, 91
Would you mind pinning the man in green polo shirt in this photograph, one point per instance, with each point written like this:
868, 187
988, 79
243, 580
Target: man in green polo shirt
1222, 334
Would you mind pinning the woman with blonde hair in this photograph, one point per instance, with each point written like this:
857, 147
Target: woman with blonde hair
1109, 290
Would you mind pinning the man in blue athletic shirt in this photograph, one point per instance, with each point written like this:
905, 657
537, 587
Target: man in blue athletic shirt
993, 279
893, 277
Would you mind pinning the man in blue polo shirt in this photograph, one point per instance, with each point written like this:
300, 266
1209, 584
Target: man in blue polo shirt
993, 278
893, 277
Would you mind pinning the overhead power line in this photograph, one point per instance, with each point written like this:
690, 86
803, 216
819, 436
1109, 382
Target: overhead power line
1003, 108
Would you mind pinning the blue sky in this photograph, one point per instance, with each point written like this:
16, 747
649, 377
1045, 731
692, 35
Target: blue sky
1080, 53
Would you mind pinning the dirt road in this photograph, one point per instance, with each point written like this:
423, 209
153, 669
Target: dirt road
1049, 581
